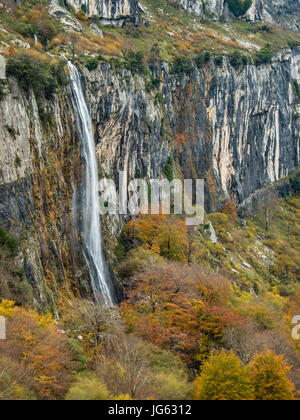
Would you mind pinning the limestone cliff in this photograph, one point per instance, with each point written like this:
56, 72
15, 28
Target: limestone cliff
283, 12
237, 128
109, 11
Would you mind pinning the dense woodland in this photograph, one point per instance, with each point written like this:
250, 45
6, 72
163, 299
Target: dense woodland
195, 322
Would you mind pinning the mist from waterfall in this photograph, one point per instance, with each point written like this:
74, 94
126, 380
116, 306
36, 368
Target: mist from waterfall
91, 228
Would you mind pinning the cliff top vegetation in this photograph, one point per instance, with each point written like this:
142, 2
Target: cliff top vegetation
168, 31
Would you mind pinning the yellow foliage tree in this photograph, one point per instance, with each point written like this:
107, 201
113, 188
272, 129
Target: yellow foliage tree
223, 378
39, 349
269, 376
164, 235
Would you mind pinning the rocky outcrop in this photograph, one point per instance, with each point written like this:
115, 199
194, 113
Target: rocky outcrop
236, 128
212, 9
64, 16
282, 12
39, 167
115, 12
285, 13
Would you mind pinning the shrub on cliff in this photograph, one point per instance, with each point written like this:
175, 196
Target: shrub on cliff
182, 65
238, 60
32, 72
239, 7
202, 59
9, 241
92, 64
134, 61
295, 184
263, 56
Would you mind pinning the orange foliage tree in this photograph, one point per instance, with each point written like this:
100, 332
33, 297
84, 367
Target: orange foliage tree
230, 209
42, 352
164, 235
170, 305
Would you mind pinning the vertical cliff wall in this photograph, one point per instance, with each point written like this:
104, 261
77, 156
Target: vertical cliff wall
40, 164
237, 128
109, 11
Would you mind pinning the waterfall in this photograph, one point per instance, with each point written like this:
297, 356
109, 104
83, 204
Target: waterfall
91, 228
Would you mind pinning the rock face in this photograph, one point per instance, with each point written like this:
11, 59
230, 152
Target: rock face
110, 11
213, 9
238, 129
282, 12
64, 16
39, 168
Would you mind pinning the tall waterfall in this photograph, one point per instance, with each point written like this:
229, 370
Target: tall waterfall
92, 240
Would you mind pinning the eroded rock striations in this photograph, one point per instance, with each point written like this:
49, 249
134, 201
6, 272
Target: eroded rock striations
237, 128
115, 12
282, 12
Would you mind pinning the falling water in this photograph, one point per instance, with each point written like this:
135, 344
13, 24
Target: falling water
93, 251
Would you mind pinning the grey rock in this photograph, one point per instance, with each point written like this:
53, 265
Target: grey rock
96, 29
116, 12
237, 129
64, 16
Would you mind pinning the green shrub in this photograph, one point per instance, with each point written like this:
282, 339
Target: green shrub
34, 73
293, 44
59, 72
116, 65
263, 56
27, 30
202, 59
92, 64
18, 162
2, 89
239, 7
46, 30
297, 90
182, 65
295, 184
152, 84
9, 241
159, 98
219, 61
134, 61
88, 389
169, 169
238, 60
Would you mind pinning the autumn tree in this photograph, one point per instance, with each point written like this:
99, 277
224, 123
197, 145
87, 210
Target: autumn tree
123, 363
164, 235
88, 388
269, 376
223, 378
176, 306
230, 209
40, 351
